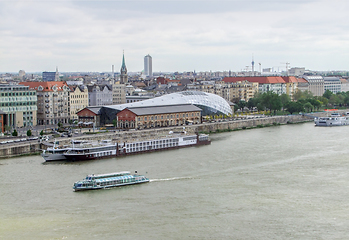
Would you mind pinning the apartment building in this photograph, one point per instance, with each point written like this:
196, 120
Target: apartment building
100, 95
243, 90
53, 104
78, 98
119, 93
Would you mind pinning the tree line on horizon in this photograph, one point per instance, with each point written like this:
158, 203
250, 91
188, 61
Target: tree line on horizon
303, 101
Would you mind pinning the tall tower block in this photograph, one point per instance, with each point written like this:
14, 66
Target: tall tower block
148, 66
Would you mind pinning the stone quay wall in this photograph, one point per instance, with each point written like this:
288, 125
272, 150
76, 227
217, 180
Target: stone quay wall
20, 149
137, 135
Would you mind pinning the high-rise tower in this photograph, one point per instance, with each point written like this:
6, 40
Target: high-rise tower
123, 71
148, 66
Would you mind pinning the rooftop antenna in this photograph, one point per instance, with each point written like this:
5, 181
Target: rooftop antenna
252, 66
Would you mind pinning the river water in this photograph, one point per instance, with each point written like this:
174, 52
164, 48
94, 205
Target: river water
282, 182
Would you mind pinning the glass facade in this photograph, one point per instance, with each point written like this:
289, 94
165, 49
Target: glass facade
211, 104
19, 103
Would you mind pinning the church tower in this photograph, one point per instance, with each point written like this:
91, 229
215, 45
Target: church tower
123, 71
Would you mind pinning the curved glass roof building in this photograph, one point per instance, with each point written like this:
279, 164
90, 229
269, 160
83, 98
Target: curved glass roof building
211, 104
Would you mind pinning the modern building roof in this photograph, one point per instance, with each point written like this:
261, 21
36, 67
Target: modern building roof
208, 102
151, 110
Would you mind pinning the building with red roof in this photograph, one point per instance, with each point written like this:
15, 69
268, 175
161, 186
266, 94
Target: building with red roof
53, 101
278, 84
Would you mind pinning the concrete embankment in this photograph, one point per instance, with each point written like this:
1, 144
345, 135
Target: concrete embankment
25, 148
20, 149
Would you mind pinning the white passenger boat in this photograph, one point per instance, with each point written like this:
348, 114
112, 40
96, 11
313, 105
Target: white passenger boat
92, 182
335, 119
56, 152
102, 149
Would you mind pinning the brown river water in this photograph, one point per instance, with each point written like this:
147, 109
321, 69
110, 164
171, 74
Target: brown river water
281, 182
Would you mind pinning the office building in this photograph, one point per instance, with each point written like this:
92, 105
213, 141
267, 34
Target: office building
148, 66
19, 105
50, 76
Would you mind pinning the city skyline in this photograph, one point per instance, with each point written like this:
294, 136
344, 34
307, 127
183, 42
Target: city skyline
90, 36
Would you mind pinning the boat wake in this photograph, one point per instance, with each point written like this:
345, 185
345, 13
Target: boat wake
170, 179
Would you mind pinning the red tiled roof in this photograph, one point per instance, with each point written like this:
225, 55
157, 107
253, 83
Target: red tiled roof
47, 86
290, 79
302, 80
260, 80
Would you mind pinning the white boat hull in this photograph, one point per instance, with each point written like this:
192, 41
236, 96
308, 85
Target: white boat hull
331, 121
49, 157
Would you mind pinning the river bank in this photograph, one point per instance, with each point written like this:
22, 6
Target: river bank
21, 149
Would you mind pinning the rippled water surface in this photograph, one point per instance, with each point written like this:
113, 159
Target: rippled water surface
283, 182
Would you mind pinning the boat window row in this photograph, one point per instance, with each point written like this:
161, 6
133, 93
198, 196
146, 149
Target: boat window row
108, 183
189, 138
109, 175
155, 146
100, 149
149, 143
101, 154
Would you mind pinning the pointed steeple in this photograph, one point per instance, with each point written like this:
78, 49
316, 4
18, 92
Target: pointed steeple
123, 70
123, 66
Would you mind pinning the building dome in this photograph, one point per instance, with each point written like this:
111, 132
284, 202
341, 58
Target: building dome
211, 104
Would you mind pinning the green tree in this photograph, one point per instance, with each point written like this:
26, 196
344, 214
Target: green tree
327, 94
60, 124
293, 107
284, 98
308, 106
271, 101
115, 123
15, 133
298, 95
29, 133
334, 100
7, 128
42, 133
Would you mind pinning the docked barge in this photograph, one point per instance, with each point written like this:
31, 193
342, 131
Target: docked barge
107, 149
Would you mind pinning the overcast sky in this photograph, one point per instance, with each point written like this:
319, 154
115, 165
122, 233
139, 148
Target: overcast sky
77, 35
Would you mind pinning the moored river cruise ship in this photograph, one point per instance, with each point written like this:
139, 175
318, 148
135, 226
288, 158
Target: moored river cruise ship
107, 148
100, 181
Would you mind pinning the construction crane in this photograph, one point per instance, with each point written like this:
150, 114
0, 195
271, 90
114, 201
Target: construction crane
287, 64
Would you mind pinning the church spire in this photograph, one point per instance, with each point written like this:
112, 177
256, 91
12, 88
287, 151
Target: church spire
123, 66
123, 70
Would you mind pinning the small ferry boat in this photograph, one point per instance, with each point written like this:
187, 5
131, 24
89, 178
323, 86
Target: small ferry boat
92, 182
335, 119
102, 149
56, 152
